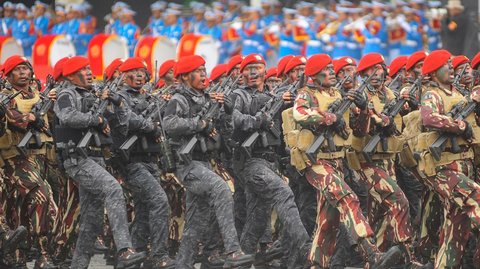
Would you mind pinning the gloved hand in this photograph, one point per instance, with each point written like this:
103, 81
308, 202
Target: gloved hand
358, 98
115, 98
468, 132
263, 121
334, 106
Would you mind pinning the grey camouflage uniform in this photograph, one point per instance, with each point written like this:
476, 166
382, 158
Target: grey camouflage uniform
98, 189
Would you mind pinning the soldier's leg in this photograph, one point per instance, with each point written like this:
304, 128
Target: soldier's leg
307, 204
240, 205
270, 187
430, 223
147, 191
383, 188
412, 187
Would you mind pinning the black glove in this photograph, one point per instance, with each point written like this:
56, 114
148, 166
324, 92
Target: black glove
209, 126
468, 133
115, 98
39, 123
412, 101
360, 100
263, 121
334, 106
339, 127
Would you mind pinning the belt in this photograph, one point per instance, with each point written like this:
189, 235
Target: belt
135, 158
448, 157
331, 155
377, 156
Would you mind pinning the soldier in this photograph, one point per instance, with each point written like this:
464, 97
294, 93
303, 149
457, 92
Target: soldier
97, 187
218, 74
33, 206
271, 79
397, 73
23, 30
294, 68
111, 71
140, 171
465, 81
264, 188
451, 177
336, 201
389, 216
282, 63
205, 189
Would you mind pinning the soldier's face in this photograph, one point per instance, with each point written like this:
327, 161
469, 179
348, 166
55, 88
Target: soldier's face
196, 79
273, 82
8, 12
254, 75
467, 76
157, 13
21, 14
326, 78
379, 75
82, 78
349, 70
20, 75
417, 69
445, 74
136, 78
60, 17
295, 73
169, 78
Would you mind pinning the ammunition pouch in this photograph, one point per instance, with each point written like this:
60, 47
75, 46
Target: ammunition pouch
353, 160
6, 140
427, 164
394, 144
406, 157
65, 134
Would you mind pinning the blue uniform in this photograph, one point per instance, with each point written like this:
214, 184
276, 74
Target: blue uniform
6, 25
115, 26
197, 27
156, 26
413, 39
288, 45
173, 32
315, 45
341, 41
41, 24
267, 20
434, 39
23, 32
377, 42
79, 39
253, 41
59, 28
130, 32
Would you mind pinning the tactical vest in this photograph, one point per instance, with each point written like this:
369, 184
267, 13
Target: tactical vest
427, 163
12, 137
299, 139
394, 143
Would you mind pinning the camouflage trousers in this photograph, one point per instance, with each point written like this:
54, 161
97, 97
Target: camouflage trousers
461, 203
337, 204
98, 189
150, 206
264, 189
430, 222
30, 201
206, 190
389, 216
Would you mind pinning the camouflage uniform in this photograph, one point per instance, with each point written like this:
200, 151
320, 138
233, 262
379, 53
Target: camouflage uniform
205, 189
31, 202
452, 178
264, 187
97, 187
142, 175
389, 215
337, 203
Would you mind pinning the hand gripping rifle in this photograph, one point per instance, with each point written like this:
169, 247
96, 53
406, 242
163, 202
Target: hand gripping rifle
371, 146
153, 110
329, 132
97, 110
210, 113
456, 82
39, 110
393, 82
271, 109
458, 112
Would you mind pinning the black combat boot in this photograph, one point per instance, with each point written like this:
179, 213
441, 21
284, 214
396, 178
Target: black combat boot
128, 257
10, 239
238, 258
377, 259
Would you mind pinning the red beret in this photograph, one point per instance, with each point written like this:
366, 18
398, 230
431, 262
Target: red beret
396, 65
369, 60
188, 64
112, 67
342, 62
458, 60
12, 62
74, 64
1, 68
234, 61
218, 71
282, 64
160, 83
415, 58
294, 62
435, 60
132, 63
58, 68
252, 59
272, 72
316, 63
476, 61
167, 65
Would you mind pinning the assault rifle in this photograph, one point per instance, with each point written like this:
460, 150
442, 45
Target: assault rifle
371, 146
458, 112
210, 113
329, 132
340, 83
392, 83
456, 82
271, 108
39, 110
6, 99
97, 110
153, 110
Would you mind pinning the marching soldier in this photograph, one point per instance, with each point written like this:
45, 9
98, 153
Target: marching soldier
218, 74
451, 175
205, 189
397, 73
111, 71
97, 187
33, 206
